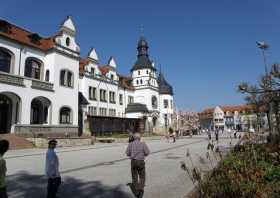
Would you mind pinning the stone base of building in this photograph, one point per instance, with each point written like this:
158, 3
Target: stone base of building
46, 131
61, 142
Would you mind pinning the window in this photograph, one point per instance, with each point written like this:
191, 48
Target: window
154, 101
165, 104
147, 71
65, 115
66, 78
102, 95
47, 77
69, 79
92, 111
92, 93
121, 99
5, 61
138, 73
32, 68
112, 112
137, 82
112, 76
171, 104
4, 26
102, 111
112, 97
67, 41
62, 77
141, 81
130, 99
92, 71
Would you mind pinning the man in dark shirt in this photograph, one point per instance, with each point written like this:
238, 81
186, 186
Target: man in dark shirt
137, 151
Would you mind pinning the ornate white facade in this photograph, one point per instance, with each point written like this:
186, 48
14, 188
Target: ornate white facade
45, 86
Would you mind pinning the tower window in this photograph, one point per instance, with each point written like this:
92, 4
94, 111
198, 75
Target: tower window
154, 101
137, 82
147, 72
139, 73
141, 81
68, 41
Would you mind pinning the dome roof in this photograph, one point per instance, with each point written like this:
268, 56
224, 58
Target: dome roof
143, 61
164, 87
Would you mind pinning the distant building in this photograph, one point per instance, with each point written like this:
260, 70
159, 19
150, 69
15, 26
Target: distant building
187, 121
239, 117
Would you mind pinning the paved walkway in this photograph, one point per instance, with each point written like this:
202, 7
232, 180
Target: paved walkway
103, 170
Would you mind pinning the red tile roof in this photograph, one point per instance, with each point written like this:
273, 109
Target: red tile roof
126, 82
22, 36
208, 112
82, 64
104, 69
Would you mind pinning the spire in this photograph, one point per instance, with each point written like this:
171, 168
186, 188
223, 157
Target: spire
68, 26
142, 47
143, 61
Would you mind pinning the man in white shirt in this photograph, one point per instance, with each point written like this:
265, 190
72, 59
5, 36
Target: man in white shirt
52, 170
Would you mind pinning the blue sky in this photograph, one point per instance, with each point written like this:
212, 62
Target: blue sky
206, 48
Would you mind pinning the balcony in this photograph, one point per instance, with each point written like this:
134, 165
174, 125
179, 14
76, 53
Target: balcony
11, 79
42, 85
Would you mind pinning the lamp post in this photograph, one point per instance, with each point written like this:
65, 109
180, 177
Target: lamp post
263, 46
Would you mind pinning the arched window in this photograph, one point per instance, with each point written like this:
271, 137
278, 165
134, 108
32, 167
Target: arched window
67, 41
65, 116
66, 78
33, 68
5, 61
154, 102
47, 77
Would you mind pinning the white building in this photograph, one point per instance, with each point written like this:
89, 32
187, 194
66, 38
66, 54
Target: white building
239, 117
46, 87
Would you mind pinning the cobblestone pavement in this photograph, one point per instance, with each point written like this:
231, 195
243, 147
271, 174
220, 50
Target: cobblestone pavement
103, 170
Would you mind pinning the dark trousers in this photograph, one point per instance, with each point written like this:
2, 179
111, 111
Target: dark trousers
53, 184
3, 192
138, 176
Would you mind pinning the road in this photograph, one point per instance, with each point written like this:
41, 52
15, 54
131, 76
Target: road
103, 170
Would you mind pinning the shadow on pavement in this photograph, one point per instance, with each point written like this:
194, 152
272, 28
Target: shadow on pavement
25, 185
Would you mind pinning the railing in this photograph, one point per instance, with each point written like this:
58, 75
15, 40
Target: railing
36, 84
11, 79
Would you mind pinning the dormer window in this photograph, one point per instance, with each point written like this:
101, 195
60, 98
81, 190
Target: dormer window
4, 26
35, 38
67, 41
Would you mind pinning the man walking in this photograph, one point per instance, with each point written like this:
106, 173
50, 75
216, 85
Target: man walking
137, 151
52, 170
4, 146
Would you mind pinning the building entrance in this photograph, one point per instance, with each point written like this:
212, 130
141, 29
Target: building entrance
5, 117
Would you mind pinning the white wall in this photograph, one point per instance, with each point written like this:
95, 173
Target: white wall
169, 110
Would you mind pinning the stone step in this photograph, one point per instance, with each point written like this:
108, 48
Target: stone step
17, 142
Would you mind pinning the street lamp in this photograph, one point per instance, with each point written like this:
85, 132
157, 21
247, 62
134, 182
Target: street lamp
263, 46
